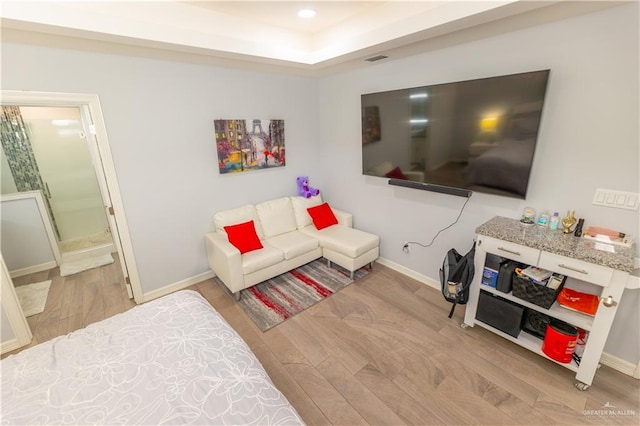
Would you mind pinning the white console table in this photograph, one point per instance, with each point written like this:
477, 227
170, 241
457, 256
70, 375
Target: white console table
568, 255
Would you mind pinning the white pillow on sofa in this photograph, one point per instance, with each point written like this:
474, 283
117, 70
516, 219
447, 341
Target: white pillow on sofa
276, 217
300, 206
236, 216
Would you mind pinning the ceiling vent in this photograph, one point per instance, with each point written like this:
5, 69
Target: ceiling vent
376, 58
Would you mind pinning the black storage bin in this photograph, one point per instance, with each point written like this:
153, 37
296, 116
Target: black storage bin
505, 275
500, 313
493, 261
537, 294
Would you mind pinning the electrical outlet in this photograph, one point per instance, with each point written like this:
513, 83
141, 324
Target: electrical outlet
616, 199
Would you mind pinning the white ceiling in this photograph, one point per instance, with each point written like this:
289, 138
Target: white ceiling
269, 32
284, 13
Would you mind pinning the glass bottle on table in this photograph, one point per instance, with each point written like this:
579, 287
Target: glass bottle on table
554, 222
543, 220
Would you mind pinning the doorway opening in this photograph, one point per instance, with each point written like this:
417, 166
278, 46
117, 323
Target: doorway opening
56, 144
45, 148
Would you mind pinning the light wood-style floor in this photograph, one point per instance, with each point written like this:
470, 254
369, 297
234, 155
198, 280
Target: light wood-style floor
76, 301
383, 352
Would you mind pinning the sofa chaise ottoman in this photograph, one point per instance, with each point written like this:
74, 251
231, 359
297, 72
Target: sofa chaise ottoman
279, 235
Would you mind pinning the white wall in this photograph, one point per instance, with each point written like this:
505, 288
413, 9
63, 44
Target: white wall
159, 118
24, 242
588, 139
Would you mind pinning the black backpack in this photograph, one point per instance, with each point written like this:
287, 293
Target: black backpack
456, 276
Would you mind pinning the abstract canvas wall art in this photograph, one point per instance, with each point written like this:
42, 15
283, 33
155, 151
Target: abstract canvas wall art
246, 145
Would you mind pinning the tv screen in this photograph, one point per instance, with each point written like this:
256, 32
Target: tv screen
479, 135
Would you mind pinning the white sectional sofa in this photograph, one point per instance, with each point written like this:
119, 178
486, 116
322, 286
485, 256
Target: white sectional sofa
289, 239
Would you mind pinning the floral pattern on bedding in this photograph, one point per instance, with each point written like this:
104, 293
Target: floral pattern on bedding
174, 360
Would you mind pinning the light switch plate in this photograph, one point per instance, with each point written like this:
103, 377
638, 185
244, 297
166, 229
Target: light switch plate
616, 199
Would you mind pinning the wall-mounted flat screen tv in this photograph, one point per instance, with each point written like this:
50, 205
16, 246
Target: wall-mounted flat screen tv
478, 135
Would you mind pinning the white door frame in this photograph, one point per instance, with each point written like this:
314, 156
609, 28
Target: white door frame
11, 307
106, 168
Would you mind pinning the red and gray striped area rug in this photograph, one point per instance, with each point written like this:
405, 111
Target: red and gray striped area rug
280, 298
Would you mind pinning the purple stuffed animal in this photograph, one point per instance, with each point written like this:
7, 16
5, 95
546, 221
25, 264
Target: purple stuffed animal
304, 189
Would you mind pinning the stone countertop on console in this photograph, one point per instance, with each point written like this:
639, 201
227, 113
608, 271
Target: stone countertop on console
554, 241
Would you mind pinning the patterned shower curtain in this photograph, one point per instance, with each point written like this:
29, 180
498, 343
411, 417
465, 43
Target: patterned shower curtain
17, 149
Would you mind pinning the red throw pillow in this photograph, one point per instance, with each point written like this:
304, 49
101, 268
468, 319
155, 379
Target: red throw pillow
396, 174
243, 236
322, 216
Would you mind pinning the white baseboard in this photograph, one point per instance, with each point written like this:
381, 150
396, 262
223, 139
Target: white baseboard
409, 273
614, 362
33, 269
180, 285
620, 365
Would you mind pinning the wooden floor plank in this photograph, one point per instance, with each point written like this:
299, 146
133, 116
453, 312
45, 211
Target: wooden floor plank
396, 321
558, 411
326, 397
284, 349
442, 406
359, 396
70, 324
471, 404
305, 342
56, 294
77, 291
68, 298
374, 350
412, 411
496, 375
518, 410
350, 357
92, 302
308, 410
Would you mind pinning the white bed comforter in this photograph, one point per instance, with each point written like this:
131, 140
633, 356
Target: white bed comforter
174, 360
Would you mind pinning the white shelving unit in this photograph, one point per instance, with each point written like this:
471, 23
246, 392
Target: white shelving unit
529, 342
577, 319
539, 249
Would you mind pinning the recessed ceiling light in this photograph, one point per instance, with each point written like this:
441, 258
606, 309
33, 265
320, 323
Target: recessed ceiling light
306, 13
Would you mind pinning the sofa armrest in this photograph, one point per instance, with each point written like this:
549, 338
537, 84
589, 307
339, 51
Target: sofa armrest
344, 218
225, 260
